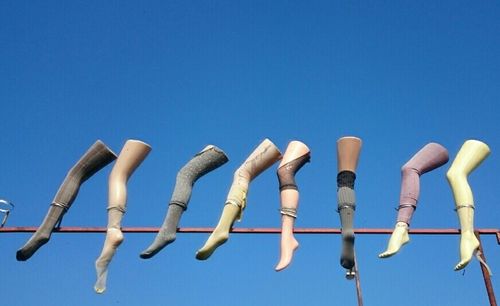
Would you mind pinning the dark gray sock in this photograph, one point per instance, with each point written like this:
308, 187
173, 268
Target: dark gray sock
346, 200
346, 205
207, 160
96, 158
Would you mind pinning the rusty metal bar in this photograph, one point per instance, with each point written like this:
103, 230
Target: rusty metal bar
486, 274
256, 230
259, 230
358, 281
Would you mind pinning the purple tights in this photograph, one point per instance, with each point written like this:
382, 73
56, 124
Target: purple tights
430, 157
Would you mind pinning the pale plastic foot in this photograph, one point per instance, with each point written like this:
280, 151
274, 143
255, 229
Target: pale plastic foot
468, 247
114, 238
399, 238
216, 239
288, 246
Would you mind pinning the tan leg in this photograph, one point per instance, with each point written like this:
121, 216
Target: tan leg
289, 201
131, 156
348, 149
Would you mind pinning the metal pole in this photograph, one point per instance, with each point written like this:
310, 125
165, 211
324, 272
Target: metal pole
486, 274
358, 282
257, 230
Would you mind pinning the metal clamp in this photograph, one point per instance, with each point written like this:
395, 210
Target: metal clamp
7, 207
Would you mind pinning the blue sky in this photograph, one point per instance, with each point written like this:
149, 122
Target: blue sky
183, 74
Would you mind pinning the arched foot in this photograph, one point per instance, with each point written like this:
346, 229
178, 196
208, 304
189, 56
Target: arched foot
468, 246
398, 238
288, 246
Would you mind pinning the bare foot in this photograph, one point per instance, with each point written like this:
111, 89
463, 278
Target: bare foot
468, 245
288, 246
114, 238
399, 238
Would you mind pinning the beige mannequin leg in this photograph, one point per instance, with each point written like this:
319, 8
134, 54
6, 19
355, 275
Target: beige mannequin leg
398, 238
264, 156
348, 149
131, 156
469, 157
289, 199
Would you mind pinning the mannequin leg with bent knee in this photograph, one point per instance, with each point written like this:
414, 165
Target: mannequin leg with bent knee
430, 157
132, 155
263, 157
296, 155
96, 158
348, 149
210, 158
470, 156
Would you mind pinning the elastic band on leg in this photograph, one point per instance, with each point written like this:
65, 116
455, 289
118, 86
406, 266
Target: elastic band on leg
287, 211
183, 205
345, 206
63, 206
119, 208
464, 206
406, 205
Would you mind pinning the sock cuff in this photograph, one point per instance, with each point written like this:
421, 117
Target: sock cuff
346, 178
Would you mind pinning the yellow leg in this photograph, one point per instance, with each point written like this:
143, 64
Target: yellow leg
469, 157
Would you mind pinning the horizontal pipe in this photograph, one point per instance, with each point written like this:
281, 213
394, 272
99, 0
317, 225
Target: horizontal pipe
258, 230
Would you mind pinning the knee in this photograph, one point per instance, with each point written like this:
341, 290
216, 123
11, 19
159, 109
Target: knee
117, 177
242, 173
408, 170
286, 178
454, 175
185, 176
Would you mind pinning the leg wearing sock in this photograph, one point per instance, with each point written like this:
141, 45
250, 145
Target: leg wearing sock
202, 163
264, 156
347, 206
96, 158
296, 155
131, 156
221, 233
167, 232
114, 237
430, 157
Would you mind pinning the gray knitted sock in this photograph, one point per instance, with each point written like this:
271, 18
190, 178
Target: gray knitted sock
96, 158
346, 204
207, 160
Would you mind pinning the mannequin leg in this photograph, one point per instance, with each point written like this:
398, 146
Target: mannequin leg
207, 160
264, 156
221, 233
96, 158
469, 157
348, 150
114, 237
132, 155
430, 157
296, 155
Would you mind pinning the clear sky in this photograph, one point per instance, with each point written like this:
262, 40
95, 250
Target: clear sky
183, 74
